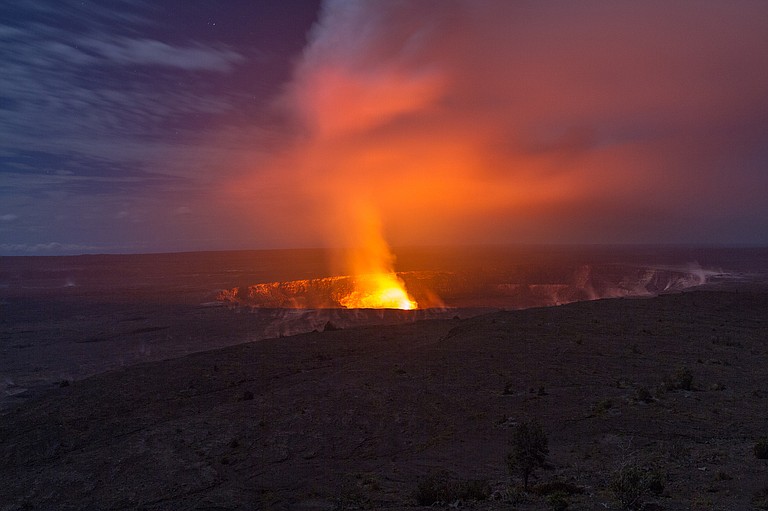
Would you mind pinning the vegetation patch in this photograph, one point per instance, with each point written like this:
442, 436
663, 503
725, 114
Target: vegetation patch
440, 489
761, 449
553, 487
530, 448
632, 483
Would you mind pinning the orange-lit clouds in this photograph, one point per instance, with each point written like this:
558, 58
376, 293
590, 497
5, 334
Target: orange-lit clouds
490, 121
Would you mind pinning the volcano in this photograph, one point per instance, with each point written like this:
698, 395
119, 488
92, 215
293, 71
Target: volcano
516, 289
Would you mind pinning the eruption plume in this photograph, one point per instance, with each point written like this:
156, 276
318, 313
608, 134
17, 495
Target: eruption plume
360, 180
371, 262
473, 122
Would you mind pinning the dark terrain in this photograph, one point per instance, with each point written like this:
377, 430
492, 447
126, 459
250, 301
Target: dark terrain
358, 418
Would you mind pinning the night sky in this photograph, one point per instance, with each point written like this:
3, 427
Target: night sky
142, 126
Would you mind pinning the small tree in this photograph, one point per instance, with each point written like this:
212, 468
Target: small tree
529, 450
631, 483
761, 449
683, 379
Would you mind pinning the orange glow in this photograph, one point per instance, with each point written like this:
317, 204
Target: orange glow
454, 142
371, 264
378, 291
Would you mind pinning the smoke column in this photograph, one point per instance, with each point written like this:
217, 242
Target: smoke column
457, 122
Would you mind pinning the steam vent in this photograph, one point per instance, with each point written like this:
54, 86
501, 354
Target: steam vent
438, 290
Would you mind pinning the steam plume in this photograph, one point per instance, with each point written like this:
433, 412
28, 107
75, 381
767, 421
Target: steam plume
485, 121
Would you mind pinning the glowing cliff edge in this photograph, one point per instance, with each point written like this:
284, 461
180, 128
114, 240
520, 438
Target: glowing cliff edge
537, 285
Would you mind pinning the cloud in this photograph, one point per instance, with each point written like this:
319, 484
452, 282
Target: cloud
39, 172
456, 121
140, 91
139, 107
148, 52
488, 121
8, 217
49, 247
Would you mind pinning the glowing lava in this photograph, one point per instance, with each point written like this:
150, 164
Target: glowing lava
378, 291
371, 264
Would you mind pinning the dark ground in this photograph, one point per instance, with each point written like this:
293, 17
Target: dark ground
357, 418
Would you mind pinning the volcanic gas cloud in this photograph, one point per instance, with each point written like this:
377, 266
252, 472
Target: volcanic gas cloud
370, 261
466, 122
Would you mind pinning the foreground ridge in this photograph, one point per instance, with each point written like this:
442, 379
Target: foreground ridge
361, 415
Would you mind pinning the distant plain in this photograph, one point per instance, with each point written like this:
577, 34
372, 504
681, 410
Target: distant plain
129, 385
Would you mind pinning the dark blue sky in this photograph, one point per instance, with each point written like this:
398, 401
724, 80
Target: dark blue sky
144, 126
116, 116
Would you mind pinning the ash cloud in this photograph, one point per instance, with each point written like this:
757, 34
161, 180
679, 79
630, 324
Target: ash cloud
484, 121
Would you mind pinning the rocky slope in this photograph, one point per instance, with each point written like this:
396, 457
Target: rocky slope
357, 418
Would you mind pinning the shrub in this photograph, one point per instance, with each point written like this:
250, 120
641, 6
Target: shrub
440, 488
552, 487
474, 489
631, 483
558, 501
352, 495
435, 488
760, 499
678, 450
683, 379
603, 406
529, 450
643, 394
761, 449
